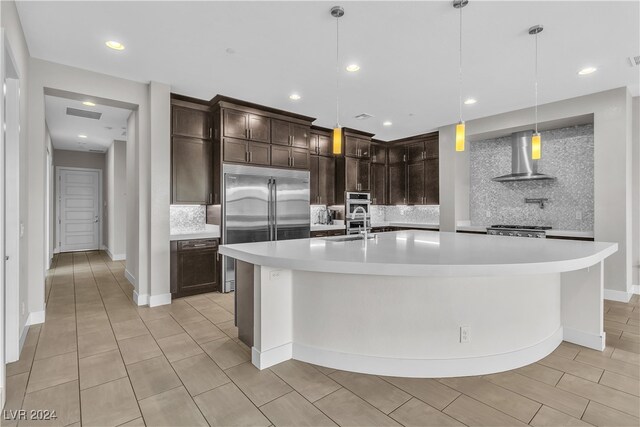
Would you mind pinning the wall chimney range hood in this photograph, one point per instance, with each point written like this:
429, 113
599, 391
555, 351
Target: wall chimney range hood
523, 167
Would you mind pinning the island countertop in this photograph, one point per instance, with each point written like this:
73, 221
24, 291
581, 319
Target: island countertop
425, 253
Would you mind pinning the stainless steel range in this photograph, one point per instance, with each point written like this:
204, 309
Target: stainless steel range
536, 231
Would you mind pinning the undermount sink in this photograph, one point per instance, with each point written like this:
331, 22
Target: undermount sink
348, 238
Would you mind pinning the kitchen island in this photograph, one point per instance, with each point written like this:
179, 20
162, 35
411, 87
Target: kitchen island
418, 303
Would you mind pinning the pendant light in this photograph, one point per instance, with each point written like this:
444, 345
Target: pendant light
337, 12
460, 128
536, 149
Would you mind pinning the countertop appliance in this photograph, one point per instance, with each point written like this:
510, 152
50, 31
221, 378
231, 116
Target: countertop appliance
357, 212
537, 231
261, 204
523, 166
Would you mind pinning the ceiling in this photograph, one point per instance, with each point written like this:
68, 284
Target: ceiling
408, 53
64, 129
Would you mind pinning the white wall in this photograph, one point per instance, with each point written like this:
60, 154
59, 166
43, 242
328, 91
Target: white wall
133, 213
612, 171
636, 194
115, 202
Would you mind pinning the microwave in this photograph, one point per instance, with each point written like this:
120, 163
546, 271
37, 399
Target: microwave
354, 200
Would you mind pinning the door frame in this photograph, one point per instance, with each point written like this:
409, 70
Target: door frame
100, 201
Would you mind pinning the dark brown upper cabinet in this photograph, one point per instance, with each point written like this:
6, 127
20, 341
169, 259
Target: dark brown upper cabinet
432, 148
289, 157
415, 152
322, 179
191, 122
357, 174
287, 133
378, 184
191, 171
249, 152
357, 147
397, 154
378, 154
415, 183
320, 143
397, 183
242, 125
432, 181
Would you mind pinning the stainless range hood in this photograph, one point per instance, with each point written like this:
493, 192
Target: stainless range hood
523, 167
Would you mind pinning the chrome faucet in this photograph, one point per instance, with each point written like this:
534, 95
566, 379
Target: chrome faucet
362, 232
355, 211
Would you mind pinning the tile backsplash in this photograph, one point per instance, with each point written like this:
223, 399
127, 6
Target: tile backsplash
567, 154
406, 214
187, 218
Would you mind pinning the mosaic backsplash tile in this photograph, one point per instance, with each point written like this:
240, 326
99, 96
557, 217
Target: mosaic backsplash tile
408, 214
186, 218
567, 154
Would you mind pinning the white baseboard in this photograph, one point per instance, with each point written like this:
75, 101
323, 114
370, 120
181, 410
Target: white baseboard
130, 277
428, 368
140, 299
23, 336
265, 359
115, 257
162, 299
614, 295
635, 289
585, 339
36, 317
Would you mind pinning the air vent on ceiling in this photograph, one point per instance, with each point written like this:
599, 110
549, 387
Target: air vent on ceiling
363, 116
96, 151
634, 61
83, 113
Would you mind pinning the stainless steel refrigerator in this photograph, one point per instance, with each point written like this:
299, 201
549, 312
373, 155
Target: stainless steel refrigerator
261, 204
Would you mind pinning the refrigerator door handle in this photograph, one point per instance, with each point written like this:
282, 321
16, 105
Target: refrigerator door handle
269, 218
274, 203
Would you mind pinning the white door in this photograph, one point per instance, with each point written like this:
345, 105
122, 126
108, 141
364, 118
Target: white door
79, 209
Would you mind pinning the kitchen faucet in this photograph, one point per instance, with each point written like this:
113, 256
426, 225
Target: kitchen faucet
364, 214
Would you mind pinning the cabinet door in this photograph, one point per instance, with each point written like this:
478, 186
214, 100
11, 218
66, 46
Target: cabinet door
364, 148
313, 144
259, 153
280, 132
432, 181
325, 146
378, 184
300, 158
190, 122
397, 154
280, 156
364, 175
300, 136
415, 152
351, 146
235, 124
351, 174
431, 148
314, 180
378, 154
397, 184
415, 183
198, 272
259, 128
234, 150
327, 180
190, 170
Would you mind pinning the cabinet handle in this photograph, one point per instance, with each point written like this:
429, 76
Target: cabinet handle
199, 245
246, 133
217, 256
293, 162
210, 133
404, 157
250, 156
246, 156
293, 140
374, 158
210, 198
215, 199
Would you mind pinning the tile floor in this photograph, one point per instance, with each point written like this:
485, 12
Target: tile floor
99, 360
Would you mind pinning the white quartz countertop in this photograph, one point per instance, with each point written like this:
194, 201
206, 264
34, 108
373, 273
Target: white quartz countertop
210, 232
425, 253
552, 232
325, 227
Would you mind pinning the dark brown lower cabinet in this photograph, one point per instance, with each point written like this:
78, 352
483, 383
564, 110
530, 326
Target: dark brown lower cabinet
378, 184
328, 233
195, 267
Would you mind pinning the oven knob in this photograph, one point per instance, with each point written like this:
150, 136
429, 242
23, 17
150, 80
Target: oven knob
501, 233
529, 235
510, 234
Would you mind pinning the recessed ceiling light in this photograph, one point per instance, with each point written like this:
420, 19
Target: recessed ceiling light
82, 136
587, 70
294, 96
112, 44
230, 50
89, 104
387, 123
352, 68
470, 101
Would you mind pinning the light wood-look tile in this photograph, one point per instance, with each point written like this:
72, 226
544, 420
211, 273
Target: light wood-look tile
199, 374
347, 409
164, 327
261, 386
152, 376
95, 343
16, 387
129, 329
101, 368
549, 417
606, 363
582, 370
228, 406
306, 379
64, 399
225, 352
139, 348
377, 392
292, 410
109, 404
416, 413
601, 415
179, 346
53, 371
172, 408
621, 382
428, 390
473, 413
605, 395
541, 373
203, 331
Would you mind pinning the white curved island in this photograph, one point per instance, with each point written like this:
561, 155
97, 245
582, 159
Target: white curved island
418, 303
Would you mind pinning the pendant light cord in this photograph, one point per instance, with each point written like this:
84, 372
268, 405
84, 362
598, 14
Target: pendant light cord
337, 72
460, 66
536, 83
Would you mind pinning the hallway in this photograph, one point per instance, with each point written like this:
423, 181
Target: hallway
101, 360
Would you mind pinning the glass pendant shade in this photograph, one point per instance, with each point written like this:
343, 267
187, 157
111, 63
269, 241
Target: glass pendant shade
460, 136
337, 140
536, 149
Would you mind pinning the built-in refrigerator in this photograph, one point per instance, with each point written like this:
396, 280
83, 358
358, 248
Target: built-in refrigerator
262, 204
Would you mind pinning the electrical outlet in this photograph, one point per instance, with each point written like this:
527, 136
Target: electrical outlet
579, 215
21, 230
488, 213
465, 334
275, 275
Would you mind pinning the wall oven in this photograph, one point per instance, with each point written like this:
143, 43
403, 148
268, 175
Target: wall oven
357, 212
